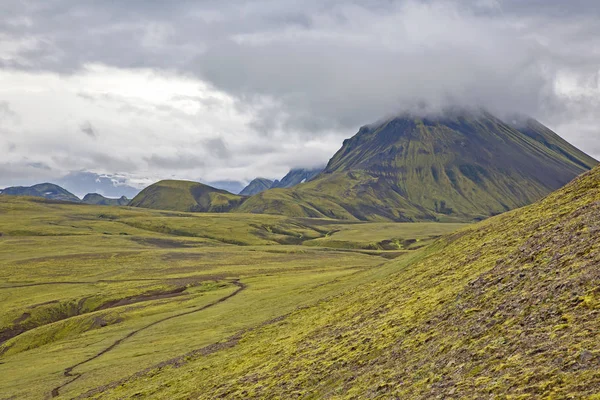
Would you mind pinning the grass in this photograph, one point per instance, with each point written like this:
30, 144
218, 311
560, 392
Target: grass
76, 279
507, 308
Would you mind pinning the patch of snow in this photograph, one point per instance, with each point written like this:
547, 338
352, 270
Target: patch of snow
303, 180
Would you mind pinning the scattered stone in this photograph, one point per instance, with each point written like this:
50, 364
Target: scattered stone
585, 357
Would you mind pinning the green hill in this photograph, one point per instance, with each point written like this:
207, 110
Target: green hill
456, 167
48, 191
186, 196
507, 308
98, 199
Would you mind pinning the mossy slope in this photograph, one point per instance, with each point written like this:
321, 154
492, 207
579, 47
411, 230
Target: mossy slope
508, 308
461, 166
186, 196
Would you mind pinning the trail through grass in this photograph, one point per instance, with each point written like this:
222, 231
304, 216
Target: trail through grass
90, 295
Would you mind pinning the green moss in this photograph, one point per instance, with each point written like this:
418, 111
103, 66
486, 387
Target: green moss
472, 316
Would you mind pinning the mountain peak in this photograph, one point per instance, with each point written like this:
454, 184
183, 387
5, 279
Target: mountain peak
461, 165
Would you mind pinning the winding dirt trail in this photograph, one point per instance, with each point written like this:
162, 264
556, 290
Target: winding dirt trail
68, 372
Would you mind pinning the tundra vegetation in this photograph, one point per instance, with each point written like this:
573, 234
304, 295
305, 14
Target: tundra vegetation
91, 295
506, 308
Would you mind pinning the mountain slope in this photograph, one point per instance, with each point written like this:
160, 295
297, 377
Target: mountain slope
257, 185
296, 176
185, 196
461, 166
46, 190
98, 199
507, 308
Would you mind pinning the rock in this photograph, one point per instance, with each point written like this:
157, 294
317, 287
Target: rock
585, 357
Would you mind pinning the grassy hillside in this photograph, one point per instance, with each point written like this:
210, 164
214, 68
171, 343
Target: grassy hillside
456, 167
507, 308
92, 294
186, 196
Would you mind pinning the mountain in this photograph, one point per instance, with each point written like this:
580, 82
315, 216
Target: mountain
46, 190
462, 166
82, 182
296, 176
506, 308
257, 185
228, 185
186, 196
98, 199
293, 178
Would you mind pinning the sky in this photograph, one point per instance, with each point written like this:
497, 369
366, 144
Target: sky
209, 90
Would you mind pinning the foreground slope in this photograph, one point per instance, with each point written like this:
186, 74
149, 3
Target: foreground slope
186, 196
508, 308
460, 166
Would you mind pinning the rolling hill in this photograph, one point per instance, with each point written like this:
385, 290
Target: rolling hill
186, 196
507, 308
98, 199
48, 191
464, 166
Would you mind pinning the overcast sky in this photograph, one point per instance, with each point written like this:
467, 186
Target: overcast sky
231, 90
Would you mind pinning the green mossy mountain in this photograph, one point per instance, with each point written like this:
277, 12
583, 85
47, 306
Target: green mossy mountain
465, 166
186, 196
48, 191
98, 199
257, 186
507, 308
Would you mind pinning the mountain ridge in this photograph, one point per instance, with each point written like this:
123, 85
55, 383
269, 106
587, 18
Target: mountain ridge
46, 190
257, 185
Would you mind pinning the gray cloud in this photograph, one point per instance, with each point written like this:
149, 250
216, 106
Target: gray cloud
24, 172
88, 129
176, 161
82, 182
6, 112
217, 148
309, 71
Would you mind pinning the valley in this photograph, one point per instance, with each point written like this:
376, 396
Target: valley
506, 308
94, 294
